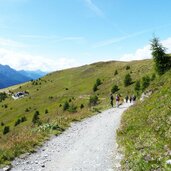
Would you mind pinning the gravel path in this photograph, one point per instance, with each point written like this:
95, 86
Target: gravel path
89, 145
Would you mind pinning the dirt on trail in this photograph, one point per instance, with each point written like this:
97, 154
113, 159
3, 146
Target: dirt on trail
89, 145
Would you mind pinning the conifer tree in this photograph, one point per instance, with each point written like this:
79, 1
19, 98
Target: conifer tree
160, 58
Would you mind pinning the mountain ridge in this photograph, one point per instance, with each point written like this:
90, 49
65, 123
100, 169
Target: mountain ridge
10, 76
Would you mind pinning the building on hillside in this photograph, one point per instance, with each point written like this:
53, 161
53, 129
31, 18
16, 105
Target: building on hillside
19, 95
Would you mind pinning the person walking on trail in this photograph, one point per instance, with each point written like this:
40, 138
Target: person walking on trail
126, 99
111, 99
117, 100
134, 98
130, 99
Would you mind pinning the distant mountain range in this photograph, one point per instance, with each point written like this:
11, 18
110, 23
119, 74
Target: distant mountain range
33, 74
9, 76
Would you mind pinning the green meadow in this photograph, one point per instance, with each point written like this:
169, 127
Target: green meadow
145, 132
48, 95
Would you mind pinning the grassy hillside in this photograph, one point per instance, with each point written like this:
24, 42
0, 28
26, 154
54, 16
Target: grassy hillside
48, 95
145, 133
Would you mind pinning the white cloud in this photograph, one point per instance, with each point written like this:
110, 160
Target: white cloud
22, 60
145, 53
11, 53
94, 8
167, 43
142, 53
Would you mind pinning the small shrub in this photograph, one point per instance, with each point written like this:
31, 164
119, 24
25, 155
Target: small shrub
127, 80
116, 72
3, 96
5, 106
65, 106
72, 108
2, 124
95, 88
26, 110
17, 122
114, 89
23, 119
46, 111
93, 100
98, 82
36, 117
81, 106
127, 67
70, 100
6, 130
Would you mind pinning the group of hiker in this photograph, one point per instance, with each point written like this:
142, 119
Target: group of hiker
119, 100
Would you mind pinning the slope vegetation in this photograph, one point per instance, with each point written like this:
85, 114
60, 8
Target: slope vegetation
31, 119
145, 133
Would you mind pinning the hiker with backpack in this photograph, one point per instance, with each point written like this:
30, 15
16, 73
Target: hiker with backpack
126, 98
133, 98
117, 100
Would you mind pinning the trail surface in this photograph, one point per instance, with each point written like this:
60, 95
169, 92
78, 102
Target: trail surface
89, 145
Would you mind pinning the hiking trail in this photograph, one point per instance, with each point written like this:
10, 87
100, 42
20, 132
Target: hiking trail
89, 145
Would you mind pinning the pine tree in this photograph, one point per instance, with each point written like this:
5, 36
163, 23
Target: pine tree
65, 106
17, 122
6, 130
127, 80
36, 117
114, 89
116, 72
81, 106
98, 82
160, 58
95, 88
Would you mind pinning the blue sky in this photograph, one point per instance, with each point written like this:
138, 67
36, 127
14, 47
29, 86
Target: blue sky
57, 34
